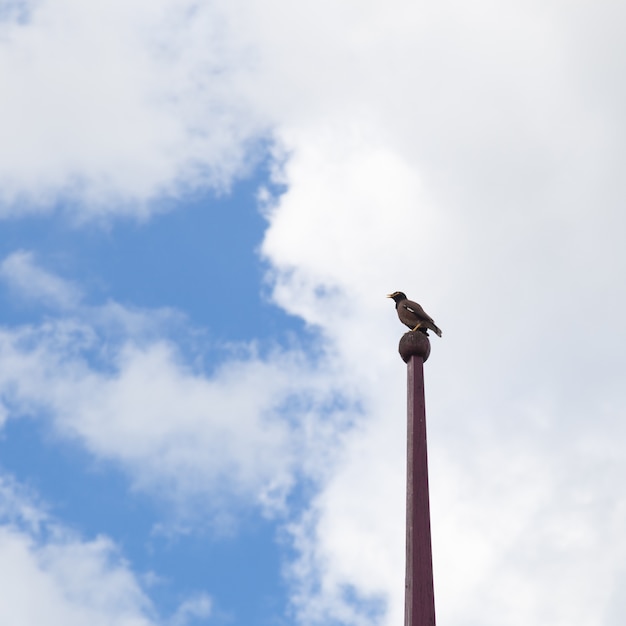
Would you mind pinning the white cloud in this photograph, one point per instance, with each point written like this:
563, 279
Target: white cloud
51, 576
172, 428
196, 607
26, 277
114, 103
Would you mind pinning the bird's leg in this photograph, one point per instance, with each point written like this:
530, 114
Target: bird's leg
417, 327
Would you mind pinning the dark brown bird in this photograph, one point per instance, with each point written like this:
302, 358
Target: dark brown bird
412, 315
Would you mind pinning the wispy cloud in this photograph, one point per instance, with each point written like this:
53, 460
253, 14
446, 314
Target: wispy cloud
29, 280
196, 607
50, 575
125, 392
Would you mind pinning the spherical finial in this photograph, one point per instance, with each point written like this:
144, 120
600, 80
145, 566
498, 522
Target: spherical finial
414, 343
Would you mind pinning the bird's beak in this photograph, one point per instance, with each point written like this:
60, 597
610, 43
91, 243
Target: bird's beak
389, 295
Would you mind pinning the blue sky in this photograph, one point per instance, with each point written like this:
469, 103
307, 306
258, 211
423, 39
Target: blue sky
202, 207
145, 265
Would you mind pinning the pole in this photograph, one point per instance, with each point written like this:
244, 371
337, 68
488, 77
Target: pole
419, 602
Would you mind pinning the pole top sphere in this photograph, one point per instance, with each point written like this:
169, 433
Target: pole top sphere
414, 343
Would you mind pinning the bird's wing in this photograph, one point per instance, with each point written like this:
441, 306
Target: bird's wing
415, 308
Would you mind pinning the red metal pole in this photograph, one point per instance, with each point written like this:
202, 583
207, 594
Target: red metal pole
419, 607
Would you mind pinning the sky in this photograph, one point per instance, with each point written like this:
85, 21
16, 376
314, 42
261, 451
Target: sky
202, 407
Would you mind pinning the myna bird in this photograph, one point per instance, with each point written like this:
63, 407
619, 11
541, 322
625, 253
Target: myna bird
412, 315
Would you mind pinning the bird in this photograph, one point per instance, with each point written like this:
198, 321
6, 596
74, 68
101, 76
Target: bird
413, 315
